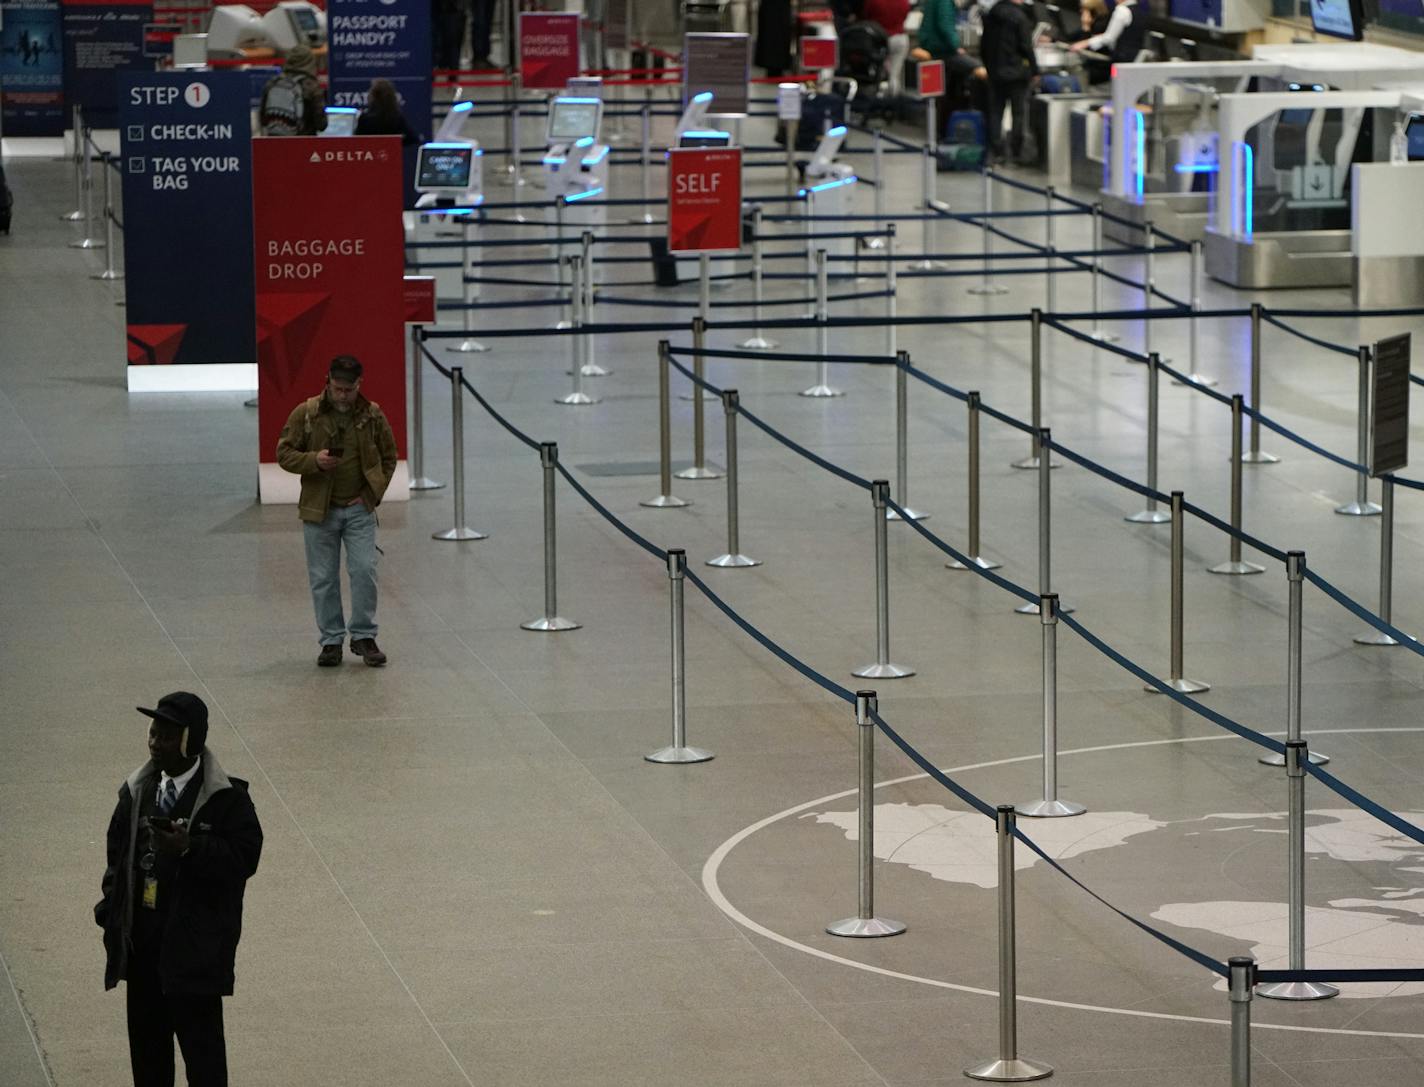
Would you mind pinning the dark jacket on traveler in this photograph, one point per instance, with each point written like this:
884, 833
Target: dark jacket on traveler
375, 124
311, 427
203, 919
1006, 47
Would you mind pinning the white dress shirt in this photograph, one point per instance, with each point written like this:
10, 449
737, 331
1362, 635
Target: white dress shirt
1118, 21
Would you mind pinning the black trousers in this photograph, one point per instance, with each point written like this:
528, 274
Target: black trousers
154, 1020
1015, 96
480, 28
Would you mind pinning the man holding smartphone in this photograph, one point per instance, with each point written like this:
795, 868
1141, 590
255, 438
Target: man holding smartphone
342, 446
182, 843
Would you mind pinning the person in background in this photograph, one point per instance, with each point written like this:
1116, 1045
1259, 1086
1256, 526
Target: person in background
448, 31
890, 15
773, 37
1093, 15
1006, 49
938, 39
182, 843
481, 23
382, 115
1124, 37
293, 101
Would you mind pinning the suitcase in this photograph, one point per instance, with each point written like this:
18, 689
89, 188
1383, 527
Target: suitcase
966, 126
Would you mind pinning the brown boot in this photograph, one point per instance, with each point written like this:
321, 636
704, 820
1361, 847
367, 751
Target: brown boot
368, 651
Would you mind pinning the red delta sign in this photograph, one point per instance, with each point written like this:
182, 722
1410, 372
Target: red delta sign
704, 199
818, 52
930, 74
419, 299
548, 49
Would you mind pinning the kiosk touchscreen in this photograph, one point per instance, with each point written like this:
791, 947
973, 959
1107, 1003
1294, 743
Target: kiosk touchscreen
1338, 18
574, 119
704, 137
445, 168
340, 121
576, 164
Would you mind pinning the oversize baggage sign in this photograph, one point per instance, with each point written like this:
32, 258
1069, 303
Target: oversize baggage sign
704, 200
548, 49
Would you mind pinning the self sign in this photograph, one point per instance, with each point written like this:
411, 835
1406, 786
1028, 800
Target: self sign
704, 199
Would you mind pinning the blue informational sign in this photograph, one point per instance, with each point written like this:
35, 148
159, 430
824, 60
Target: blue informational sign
101, 39
186, 146
382, 39
31, 68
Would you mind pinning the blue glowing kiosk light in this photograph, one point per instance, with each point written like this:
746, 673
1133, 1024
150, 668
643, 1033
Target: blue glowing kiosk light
461, 107
1139, 164
1243, 161
582, 195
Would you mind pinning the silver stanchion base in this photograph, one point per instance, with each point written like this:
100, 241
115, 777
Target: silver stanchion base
1181, 686
883, 671
1032, 609
1016, 1070
698, 471
707, 397
1032, 463
647, 219
591, 369
425, 483
1102, 336
874, 243
911, 514
1297, 990
734, 562
821, 391
71, 217
1050, 809
562, 325
1200, 379
578, 400
106, 274
463, 532
988, 288
1375, 637
87, 243
510, 180
924, 265
1359, 509
250, 403
468, 347
1149, 517
1259, 457
1316, 759
665, 502
758, 343
1236, 568
550, 623
978, 561
866, 928
679, 754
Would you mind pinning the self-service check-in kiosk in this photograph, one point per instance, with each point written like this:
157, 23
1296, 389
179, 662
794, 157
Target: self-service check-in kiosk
830, 194
576, 164
340, 121
450, 179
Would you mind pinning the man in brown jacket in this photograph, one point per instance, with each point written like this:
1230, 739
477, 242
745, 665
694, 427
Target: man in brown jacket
342, 446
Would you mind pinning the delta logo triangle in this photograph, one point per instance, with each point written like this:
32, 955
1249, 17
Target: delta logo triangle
316, 157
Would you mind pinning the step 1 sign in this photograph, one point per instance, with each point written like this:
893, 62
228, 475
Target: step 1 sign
704, 200
930, 78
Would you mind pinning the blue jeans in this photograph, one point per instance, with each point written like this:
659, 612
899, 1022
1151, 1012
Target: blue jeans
354, 526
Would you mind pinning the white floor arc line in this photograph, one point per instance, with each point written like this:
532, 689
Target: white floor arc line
720, 854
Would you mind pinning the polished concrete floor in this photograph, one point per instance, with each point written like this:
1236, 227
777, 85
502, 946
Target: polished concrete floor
472, 876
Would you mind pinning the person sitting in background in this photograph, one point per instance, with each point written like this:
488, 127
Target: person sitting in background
1093, 15
890, 16
1124, 37
382, 115
938, 39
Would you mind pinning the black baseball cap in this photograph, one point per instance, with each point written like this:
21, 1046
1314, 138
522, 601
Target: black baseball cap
185, 710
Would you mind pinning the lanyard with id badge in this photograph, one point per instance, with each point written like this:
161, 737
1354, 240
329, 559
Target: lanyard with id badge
148, 862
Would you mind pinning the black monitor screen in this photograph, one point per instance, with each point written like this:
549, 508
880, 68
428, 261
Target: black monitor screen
573, 119
443, 166
1338, 18
1415, 132
304, 19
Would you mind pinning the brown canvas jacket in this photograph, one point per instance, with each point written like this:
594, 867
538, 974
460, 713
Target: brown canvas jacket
310, 429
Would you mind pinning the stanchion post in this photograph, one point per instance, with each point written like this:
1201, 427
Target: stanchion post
823, 387
1035, 382
877, 149
515, 167
1151, 515
591, 368
576, 397
419, 481
927, 171
1097, 332
882, 668
645, 162
1295, 583
87, 189
865, 925
1008, 1067
550, 621
1050, 284
1242, 981
699, 468
987, 286
1295, 760
1045, 534
757, 342
1175, 680
972, 402
1234, 564
1255, 456
469, 345
1386, 579
892, 334
1196, 273
732, 558
788, 136
108, 273
665, 499
460, 531
77, 120
902, 441
1362, 506
565, 321
1049, 806
678, 751
1149, 283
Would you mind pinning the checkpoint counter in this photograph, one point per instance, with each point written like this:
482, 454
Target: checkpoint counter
1163, 144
